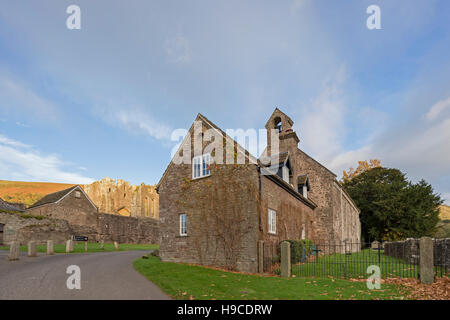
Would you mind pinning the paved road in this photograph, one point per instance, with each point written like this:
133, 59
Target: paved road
104, 275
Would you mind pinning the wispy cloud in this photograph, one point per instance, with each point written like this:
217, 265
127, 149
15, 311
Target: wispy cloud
178, 49
19, 161
17, 96
438, 108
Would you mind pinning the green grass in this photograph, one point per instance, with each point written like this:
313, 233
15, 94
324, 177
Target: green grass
92, 247
355, 265
183, 281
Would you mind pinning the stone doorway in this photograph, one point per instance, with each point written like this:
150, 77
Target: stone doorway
2, 226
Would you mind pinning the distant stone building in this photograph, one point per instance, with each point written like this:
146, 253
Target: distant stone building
72, 205
123, 198
60, 215
215, 214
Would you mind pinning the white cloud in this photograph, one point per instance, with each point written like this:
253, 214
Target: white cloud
138, 121
437, 109
18, 161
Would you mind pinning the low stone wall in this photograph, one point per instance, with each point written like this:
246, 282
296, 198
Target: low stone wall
128, 229
109, 228
408, 250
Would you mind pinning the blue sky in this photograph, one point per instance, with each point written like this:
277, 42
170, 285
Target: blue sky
79, 105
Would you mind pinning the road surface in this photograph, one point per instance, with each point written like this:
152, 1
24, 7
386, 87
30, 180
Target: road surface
104, 275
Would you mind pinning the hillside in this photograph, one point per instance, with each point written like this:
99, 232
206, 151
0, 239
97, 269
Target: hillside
28, 192
444, 212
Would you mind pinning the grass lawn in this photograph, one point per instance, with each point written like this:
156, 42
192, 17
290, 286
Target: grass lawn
183, 281
355, 265
92, 247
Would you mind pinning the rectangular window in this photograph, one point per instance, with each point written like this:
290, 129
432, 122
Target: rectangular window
200, 166
183, 224
272, 218
285, 173
77, 194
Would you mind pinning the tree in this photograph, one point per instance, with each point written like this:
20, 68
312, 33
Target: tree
363, 166
393, 208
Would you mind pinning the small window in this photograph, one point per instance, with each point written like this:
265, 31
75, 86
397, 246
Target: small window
285, 173
272, 218
183, 224
200, 166
77, 194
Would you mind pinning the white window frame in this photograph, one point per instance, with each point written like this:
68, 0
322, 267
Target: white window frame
272, 221
201, 163
183, 225
77, 194
285, 173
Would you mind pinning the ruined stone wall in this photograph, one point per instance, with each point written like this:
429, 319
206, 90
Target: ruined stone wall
123, 198
23, 229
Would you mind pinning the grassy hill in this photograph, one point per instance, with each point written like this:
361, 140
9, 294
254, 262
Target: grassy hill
444, 212
28, 192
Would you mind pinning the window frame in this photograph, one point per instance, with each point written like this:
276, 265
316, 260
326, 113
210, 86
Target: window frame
198, 162
272, 221
181, 226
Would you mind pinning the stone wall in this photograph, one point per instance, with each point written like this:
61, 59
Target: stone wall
127, 229
294, 218
107, 227
213, 205
408, 250
123, 198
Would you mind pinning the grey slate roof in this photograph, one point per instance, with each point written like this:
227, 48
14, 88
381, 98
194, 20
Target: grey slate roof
53, 197
9, 207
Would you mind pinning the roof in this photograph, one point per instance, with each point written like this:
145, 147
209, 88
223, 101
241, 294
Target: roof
274, 160
302, 179
58, 196
8, 206
247, 154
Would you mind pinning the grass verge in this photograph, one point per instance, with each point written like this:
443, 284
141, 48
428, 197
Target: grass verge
183, 281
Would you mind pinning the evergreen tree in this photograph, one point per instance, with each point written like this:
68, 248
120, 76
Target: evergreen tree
393, 208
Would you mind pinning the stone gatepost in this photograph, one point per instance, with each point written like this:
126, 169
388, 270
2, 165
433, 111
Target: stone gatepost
285, 259
69, 246
116, 245
32, 249
426, 260
50, 250
14, 251
85, 246
260, 256
102, 244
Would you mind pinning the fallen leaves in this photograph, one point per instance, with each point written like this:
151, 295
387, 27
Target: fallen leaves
414, 289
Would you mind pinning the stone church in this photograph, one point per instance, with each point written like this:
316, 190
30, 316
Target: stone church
214, 213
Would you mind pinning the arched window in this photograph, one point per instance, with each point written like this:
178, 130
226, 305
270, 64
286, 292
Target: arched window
278, 124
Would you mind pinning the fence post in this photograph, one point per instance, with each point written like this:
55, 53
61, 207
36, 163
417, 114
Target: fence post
13, 251
261, 256
285, 259
32, 249
50, 250
426, 260
69, 246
